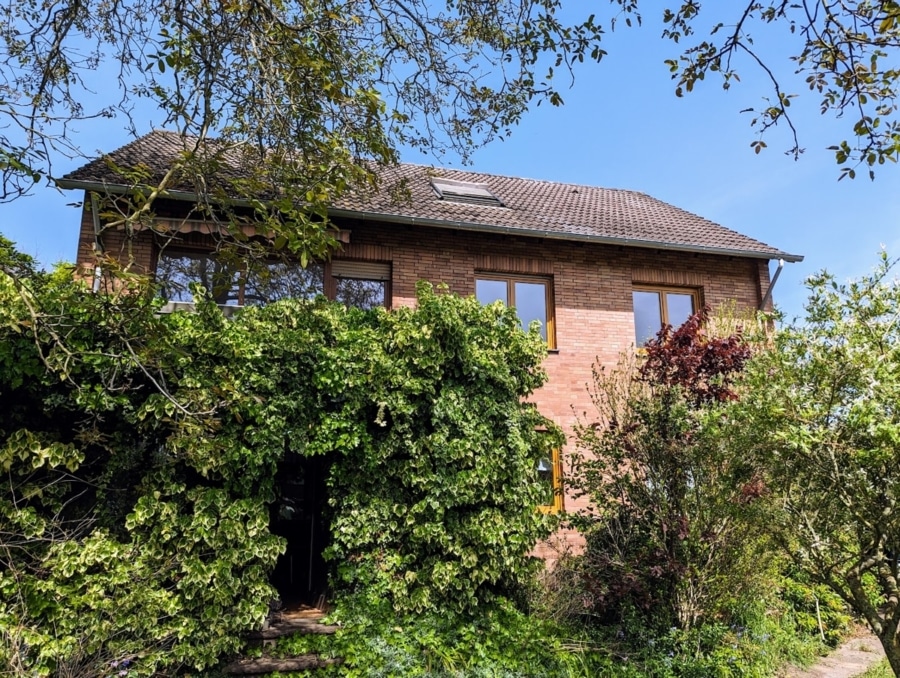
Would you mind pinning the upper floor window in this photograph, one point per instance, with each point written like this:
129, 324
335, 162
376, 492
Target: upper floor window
655, 307
230, 282
531, 297
363, 284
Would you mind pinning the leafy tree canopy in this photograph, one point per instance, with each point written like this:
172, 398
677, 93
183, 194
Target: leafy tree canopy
820, 420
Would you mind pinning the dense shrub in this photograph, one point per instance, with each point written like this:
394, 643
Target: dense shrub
496, 641
668, 536
141, 449
500, 641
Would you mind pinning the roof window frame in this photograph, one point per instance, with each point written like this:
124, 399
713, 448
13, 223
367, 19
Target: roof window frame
465, 192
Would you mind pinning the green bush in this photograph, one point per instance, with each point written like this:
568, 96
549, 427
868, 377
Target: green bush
815, 608
497, 640
141, 451
669, 534
500, 641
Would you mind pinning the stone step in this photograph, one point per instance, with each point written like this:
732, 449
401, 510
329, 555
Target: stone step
293, 625
261, 665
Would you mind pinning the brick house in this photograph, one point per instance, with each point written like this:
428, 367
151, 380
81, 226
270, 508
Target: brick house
600, 268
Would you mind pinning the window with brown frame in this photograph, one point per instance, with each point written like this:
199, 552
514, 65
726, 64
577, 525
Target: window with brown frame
531, 296
658, 306
230, 282
362, 284
550, 473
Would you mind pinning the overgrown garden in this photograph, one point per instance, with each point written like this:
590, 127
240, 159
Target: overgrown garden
139, 453
743, 484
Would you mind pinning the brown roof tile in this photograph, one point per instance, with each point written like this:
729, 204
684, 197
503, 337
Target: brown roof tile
531, 207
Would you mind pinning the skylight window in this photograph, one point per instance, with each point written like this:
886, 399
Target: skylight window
465, 192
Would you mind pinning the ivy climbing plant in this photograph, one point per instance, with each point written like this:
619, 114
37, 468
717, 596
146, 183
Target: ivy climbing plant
139, 453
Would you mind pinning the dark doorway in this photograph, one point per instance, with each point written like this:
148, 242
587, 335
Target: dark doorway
298, 515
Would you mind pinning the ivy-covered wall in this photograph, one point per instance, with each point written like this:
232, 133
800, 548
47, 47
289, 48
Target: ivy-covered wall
139, 453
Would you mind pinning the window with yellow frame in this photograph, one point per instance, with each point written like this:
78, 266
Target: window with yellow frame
550, 474
531, 296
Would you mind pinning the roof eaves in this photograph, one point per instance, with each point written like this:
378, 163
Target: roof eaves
121, 189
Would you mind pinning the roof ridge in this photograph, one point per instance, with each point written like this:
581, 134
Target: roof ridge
431, 166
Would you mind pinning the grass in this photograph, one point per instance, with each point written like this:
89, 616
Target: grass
880, 670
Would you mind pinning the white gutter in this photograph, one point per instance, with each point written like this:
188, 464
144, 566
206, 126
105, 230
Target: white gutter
469, 226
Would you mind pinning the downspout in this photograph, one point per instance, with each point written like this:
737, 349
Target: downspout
98, 245
768, 297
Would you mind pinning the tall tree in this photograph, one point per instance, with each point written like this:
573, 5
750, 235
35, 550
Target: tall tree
318, 89
821, 415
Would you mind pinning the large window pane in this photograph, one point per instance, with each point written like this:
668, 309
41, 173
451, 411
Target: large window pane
231, 281
489, 291
283, 280
363, 294
680, 307
531, 304
528, 296
647, 316
176, 270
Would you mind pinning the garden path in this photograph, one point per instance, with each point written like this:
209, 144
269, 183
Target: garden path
852, 658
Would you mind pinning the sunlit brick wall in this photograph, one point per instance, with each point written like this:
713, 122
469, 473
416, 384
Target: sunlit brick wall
592, 287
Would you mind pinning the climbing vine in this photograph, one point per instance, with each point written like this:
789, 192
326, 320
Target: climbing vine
139, 453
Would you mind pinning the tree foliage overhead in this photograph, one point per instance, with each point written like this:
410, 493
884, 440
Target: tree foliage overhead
846, 52
139, 453
316, 85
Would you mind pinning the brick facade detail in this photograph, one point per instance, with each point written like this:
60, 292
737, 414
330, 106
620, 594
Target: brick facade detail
592, 286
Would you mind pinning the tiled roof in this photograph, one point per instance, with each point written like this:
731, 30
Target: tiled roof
531, 207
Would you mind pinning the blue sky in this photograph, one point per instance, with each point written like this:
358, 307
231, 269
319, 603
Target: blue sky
622, 127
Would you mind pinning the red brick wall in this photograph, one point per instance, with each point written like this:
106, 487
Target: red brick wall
592, 287
137, 252
592, 296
